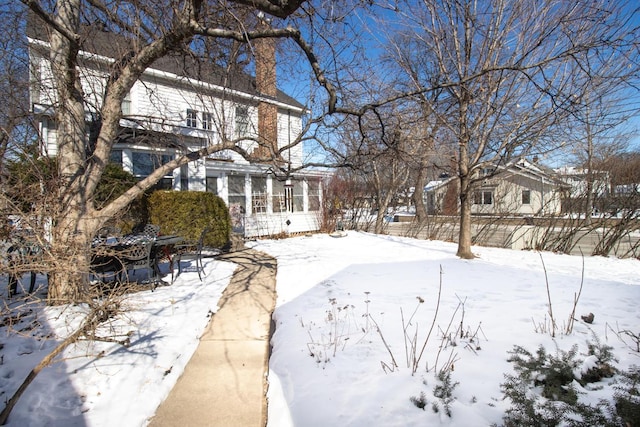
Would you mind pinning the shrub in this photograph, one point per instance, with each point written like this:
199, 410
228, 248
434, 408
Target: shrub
444, 391
187, 213
627, 398
558, 403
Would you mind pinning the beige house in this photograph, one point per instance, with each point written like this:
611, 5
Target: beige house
519, 188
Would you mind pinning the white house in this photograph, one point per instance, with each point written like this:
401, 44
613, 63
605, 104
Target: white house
518, 187
182, 104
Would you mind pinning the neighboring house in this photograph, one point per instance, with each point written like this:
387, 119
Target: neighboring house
518, 188
575, 198
180, 105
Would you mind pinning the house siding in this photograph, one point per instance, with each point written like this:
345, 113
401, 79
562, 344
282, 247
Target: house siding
158, 102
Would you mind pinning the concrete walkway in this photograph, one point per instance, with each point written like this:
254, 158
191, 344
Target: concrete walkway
224, 383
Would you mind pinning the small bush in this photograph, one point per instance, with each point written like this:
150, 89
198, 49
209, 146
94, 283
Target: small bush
420, 402
553, 373
444, 390
558, 403
627, 398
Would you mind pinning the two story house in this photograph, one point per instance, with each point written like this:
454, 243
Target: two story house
182, 104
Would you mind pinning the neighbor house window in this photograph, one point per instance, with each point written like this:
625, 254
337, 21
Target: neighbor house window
242, 121
192, 118
207, 121
483, 197
526, 197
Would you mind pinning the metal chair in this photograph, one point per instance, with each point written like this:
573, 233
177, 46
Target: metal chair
138, 257
24, 255
190, 251
150, 230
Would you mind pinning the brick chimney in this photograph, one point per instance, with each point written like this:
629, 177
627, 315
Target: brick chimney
265, 54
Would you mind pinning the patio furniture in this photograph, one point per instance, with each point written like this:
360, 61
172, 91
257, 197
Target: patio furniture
190, 251
150, 230
24, 254
138, 257
106, 261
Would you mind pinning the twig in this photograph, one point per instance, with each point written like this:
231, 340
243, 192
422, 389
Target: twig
572, 316
433, 322
546, 278
393, 360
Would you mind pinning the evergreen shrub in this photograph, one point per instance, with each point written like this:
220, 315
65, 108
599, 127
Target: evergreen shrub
187, 213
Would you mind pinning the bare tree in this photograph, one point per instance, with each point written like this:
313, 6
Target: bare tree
154, 30
506, 69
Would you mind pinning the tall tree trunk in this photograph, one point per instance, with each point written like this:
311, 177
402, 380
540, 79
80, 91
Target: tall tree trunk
464, 174
464, 238
70, 243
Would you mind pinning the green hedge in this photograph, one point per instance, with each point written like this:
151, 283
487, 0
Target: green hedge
187, 213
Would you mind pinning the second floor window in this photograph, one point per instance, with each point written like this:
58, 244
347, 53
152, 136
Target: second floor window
526, 197
242, 121
207, 121
192, 118
126, 105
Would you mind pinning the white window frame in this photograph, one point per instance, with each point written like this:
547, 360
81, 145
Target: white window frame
192, 118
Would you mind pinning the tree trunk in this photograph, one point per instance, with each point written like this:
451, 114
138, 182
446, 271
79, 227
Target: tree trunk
418, 195
464, 238
464, 174
71, 260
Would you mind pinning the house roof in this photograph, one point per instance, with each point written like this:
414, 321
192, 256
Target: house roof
524, 167
96, 40
519, 166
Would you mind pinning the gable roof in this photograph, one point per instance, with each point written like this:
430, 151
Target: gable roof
96, 40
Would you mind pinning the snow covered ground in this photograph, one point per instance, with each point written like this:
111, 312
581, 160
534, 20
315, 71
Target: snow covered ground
339, 327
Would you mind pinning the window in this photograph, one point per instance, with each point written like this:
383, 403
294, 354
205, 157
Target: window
288, 196
145, 163
126, 105
258, 194
298, 196
526, 197
212, 184
242, 121
279, 196
483, 197
314, 195
236, 192
207, 121
192, 118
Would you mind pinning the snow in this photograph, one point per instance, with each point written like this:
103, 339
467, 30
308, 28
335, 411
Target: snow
330, 364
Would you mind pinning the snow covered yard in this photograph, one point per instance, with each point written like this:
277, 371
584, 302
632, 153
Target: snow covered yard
330, 365
99, 383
